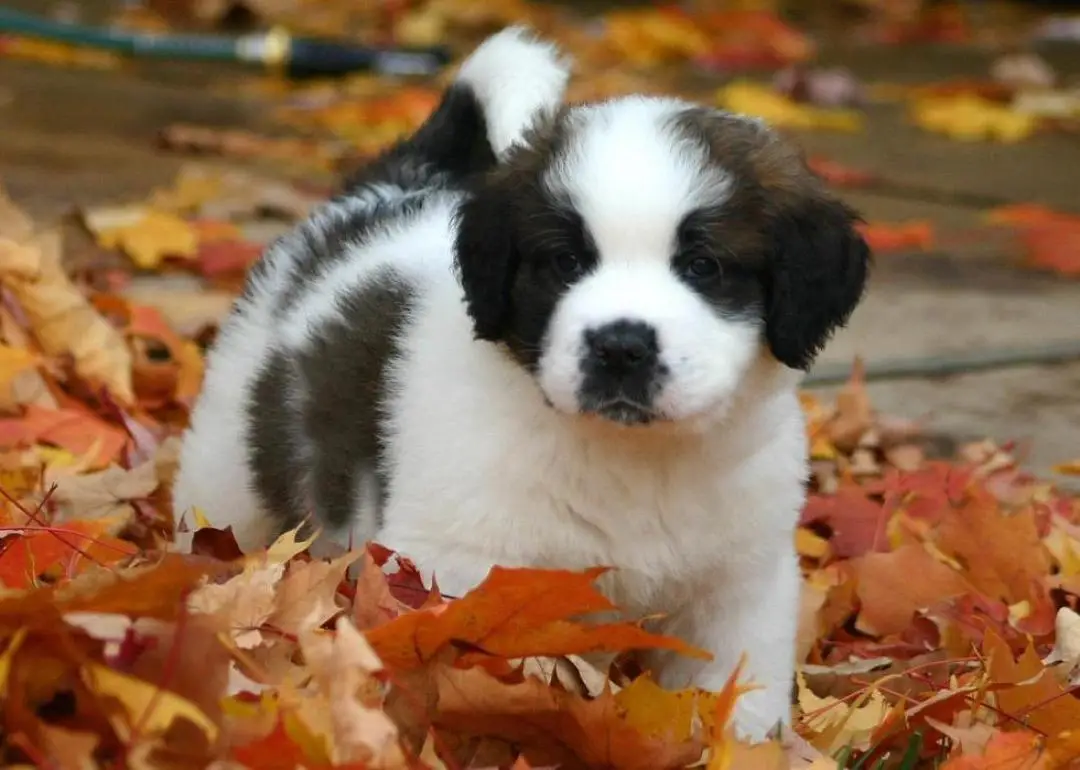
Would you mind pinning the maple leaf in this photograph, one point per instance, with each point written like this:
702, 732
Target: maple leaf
881, 237
306, 594
64, 550
1021, 749
145, 234
342, 665
893, 586
516, 613
1003, 552
61, 319
147, 707
1030, 694
763, 102
76, 430
552, 725
104, 494
968, 117
833, 724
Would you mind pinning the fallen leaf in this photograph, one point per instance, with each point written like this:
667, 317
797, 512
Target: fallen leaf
552, 725
765, 103
968, 117
1021, 749
908, 236
79, 432
62, 320
833, 724
38, 553
145, 234
893, 586
516, 613
306, 595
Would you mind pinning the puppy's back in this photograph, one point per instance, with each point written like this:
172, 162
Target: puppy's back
289, 418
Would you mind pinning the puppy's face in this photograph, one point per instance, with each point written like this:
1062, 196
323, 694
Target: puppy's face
640, 255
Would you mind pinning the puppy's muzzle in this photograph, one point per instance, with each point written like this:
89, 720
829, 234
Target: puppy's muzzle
622, 372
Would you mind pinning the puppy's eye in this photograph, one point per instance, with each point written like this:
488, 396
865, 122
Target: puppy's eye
567, 265
702, 269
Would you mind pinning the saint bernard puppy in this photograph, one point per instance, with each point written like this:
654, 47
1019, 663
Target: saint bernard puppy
549, 335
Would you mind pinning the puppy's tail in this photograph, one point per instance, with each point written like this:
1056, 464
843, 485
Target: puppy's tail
516, 79
511, 81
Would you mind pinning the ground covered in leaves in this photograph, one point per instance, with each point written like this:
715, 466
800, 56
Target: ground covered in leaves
938, 626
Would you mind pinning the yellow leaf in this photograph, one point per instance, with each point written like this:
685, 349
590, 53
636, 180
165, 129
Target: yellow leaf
810, 544
148, 706
61, 318
967, 117
193, 187
763, 102
6, 658
201, 522
287, 546
145, 234
834, 724
655, 711
1071, 468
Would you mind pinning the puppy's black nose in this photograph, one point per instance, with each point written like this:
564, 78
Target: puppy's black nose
623, 345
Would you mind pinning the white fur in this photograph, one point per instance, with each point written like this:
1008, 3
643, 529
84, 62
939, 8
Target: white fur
633, 226
517, 79
696, 514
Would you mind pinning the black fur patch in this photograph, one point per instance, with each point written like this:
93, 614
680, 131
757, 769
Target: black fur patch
448, 149
817, 275
344, 390
739, 290
274, 457
452, 141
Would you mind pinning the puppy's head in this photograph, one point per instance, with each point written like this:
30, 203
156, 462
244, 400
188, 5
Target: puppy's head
639, 256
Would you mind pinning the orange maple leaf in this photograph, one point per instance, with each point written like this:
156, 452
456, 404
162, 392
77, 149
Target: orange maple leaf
516, 613
550, 723
73, 429
63, 550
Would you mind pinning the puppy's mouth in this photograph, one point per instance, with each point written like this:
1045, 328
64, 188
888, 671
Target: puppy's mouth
624, 411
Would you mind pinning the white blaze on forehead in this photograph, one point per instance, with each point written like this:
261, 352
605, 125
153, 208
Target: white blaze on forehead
633, 177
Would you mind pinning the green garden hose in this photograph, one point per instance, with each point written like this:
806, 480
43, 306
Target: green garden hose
298, 57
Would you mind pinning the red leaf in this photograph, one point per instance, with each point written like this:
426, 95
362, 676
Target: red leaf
857, 522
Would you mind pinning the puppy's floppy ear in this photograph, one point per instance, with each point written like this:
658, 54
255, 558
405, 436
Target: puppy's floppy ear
817, 273
487, 258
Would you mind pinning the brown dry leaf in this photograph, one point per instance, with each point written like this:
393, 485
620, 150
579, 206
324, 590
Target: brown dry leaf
62, 320
893, 586
343, 665
145, 234
306, 595
1002, 552
69, 749
552, 725
834, 724
374, 604
1035, 697
245, 601
1004, 751
20, 381
104, 494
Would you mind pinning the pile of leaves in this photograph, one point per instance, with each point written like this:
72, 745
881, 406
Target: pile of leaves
938, 625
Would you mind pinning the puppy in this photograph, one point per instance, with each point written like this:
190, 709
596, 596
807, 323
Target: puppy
550, 336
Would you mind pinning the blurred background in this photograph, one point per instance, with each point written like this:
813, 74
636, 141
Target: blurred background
953, 126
